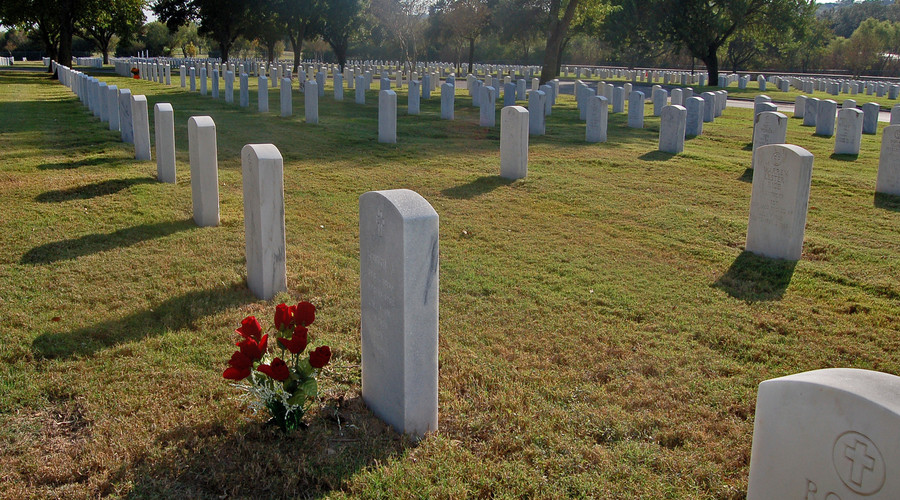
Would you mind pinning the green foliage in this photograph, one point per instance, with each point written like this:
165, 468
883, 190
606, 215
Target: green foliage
156, 39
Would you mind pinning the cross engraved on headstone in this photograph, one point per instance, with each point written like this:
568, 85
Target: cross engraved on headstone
860, 461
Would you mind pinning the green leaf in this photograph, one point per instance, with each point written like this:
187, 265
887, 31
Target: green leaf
310, 388
298, 398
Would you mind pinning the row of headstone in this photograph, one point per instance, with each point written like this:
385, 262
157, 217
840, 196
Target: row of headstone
92, 62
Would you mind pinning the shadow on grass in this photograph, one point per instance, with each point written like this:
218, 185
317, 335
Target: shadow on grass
747, 176
89, 191
754, 278
176, 313
259, 461
837, 157
657, 156
887, 201
748, 147
94, 243
84, 162
478, 187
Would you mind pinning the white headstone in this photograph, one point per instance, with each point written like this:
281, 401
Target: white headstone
828, 434
338, 86
244, 90
262, 174
125, 125
203, 82
709, 106
262, 96
811, 112
398, 248
849, 132
825, 113
694, 123
102, 102
636, 109
513, 142
413, 97
140, 120
448, 97
870, 117
770, 127
360, 89
387, 116
779, 201
287, 102
671, 129
310, 101
536, 112
112, 107
229, 87
204, 170
488, 108
164, 130
888, 180
597, 119
660, 97
799, 106
618, 100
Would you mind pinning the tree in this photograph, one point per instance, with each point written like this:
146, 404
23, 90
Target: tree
341, 22
14, 39
866, 48
302, 20
561, 14
808, 47
404, 20
38, 16
627, 29
461, 20
222, 20
122, 18
156, 39
520, 23
187, 38
702, 27
266, 26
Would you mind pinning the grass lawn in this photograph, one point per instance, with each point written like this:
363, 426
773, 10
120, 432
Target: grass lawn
601, 332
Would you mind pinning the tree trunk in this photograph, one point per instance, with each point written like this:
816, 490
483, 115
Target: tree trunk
340, 52
555, 37
65, 44
223, 48
471, 54
297, 45
711, 60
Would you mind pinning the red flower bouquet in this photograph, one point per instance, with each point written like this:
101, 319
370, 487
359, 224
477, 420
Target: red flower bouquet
285, 384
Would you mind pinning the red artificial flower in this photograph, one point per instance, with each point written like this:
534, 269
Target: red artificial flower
278, 370
240, 360
304, 314
233, 373
320, 356
252, 349
297, 343
250, 328
240, 366
284, 317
